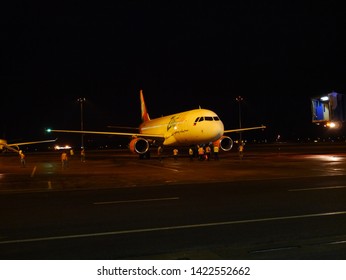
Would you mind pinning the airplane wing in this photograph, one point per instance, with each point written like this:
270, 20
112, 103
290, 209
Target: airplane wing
244, 129
29, 143
140, 134
10, 146
133, 135
123, 127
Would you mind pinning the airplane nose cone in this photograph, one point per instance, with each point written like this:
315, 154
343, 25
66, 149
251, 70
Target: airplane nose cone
215, 131
219, 129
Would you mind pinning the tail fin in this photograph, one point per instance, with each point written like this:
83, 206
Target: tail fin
144, 112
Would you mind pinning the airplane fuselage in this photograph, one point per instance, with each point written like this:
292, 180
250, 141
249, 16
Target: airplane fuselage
186, 128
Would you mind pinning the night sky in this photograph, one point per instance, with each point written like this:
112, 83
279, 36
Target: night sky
275, 54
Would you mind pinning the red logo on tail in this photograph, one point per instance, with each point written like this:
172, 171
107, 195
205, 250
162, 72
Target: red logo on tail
145, 115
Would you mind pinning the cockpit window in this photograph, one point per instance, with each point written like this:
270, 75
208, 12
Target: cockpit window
201, 119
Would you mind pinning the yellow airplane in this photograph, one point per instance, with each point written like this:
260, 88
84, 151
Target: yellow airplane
14, 147
193, 127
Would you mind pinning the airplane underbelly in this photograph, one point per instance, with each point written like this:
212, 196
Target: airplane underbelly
182, 137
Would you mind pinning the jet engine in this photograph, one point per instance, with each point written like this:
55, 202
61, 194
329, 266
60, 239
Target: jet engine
225, 143
139, 146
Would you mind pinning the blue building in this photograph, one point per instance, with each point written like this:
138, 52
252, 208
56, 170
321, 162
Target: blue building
329, 109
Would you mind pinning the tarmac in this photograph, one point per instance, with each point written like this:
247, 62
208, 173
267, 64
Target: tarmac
120, 168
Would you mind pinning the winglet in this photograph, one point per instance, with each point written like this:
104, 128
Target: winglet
144, 112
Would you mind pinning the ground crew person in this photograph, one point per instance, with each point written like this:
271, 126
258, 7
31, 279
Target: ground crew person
201, 153
82, 155
216, 152
159, 152
64, 159
175, 153
241, 150
22, 158
207, 152
191, 154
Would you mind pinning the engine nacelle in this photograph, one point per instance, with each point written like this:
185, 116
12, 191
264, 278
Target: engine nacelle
139, 146
225, 143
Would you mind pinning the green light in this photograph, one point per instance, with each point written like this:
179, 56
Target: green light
48, 130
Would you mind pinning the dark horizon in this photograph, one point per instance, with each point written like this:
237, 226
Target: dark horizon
276, 55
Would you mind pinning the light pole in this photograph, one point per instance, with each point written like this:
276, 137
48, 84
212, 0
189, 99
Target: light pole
81, 100
239, 99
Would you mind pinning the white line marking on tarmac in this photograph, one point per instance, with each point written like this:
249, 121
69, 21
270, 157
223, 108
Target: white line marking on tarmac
337, 242
164, 167
33, 171
273, 249
155, 166
132, 231
135, 200
317, 189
